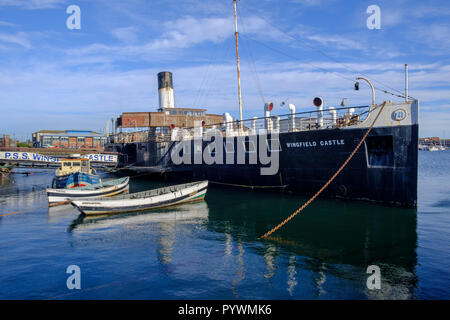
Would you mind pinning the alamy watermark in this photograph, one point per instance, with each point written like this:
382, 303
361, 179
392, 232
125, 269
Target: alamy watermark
74, 20
374, 280
211, 147
74, 280
374, 20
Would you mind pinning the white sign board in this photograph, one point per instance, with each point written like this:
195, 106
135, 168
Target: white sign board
35, 157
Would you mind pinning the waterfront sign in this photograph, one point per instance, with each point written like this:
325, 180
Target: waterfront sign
35, 157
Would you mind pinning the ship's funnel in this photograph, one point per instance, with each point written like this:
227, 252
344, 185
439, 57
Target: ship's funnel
165, 90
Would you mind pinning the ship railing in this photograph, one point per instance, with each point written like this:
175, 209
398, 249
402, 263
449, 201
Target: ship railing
293, 122
139, 136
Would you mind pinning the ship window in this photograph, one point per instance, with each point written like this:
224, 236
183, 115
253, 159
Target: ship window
75, 164
380, 151
67, 164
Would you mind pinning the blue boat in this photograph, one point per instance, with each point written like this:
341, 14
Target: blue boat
75, 173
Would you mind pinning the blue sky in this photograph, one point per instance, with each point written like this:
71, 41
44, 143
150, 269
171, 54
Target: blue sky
55, 78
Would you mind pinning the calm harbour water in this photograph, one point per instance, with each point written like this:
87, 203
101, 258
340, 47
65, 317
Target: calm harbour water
211, 250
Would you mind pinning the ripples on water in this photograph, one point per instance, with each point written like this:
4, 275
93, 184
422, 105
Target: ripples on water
211, 250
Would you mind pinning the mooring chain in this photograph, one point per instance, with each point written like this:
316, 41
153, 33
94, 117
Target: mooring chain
329, 181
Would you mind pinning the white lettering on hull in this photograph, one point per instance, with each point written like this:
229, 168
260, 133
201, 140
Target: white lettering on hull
309, 144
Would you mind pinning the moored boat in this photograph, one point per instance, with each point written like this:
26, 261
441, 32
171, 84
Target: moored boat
75, 173
6, 167
366, 152
102, 189
145, 200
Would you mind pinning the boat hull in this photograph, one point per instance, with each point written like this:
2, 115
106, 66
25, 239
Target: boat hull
384, 169
193, 193
63, 196
77, 179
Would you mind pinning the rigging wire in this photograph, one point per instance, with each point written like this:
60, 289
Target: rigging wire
204, 85
327, 55
252, 61
313, 65
206, 93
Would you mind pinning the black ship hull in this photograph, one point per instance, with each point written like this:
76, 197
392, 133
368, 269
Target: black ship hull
384, 169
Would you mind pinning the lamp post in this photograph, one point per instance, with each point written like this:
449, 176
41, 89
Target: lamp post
371, 86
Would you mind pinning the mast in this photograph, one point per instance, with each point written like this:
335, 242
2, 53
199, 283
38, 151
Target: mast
406, 82
238, 68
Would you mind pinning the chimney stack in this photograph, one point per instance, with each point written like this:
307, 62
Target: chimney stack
165, 90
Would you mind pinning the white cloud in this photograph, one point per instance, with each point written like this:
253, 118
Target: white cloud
32, 4
125, 34
177, 34
7, 24
91, 96
313, 2
19, 38
338, 42
435, 36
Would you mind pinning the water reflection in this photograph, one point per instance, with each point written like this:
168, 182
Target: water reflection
4, 178
292, 272
320, 253
61, 213
185, 214
270, 256
328, 233
166, 221
240, 274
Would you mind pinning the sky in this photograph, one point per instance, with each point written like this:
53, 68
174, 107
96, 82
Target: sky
53, 77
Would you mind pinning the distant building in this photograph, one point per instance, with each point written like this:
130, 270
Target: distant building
5, 141
72, 139
434, 141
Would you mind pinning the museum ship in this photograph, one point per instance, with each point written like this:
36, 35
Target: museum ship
309, 147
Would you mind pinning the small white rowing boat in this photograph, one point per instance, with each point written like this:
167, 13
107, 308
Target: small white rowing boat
151, 199
103, 189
